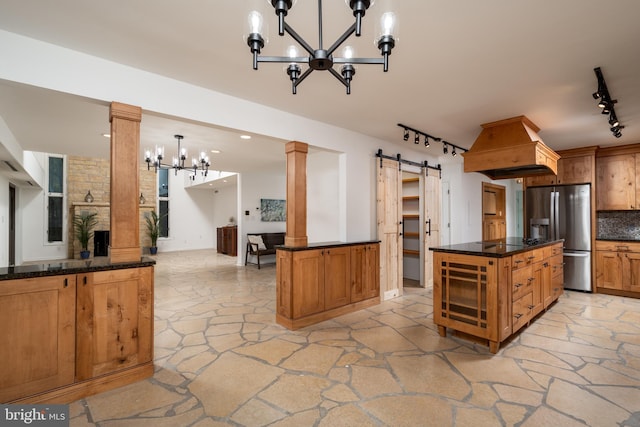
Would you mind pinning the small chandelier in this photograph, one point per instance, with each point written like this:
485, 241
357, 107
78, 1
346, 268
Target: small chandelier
201, 163
321, 58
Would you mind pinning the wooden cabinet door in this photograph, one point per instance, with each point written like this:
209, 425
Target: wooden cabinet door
540, 180
308, 283
38, 335
616, 183
631, 272
337, 289
114, 321
358, 272
372, 271
608, 270
538, 271
575, 170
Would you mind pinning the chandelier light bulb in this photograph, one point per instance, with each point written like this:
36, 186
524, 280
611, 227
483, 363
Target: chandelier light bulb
388, 23
256, 22
348, 52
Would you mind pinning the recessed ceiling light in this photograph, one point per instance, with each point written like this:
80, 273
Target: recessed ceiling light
245, 136
215, 151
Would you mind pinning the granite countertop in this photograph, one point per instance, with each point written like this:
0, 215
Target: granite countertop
617, 239
69, 267
324, 245
495, 248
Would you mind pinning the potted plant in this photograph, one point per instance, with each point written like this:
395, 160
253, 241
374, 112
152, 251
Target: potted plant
153, 230
83, 225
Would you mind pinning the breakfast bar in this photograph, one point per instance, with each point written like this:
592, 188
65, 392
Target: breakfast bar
491, 289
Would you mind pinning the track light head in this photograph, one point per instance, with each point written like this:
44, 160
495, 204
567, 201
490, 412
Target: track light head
445, 149
596, 95
453, 152
416, 138
613, 120
426, 141
406, 134
602, 103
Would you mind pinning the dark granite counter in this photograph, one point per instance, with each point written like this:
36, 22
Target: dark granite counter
69, 267
494, 248
324, 245
618, 239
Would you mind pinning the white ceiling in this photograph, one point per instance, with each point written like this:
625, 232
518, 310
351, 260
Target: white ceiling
457, 64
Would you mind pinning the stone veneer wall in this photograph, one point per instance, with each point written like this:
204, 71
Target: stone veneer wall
86, 174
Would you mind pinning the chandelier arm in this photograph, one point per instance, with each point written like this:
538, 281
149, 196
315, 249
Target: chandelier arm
358, 61
339, 77
303, 76
298, 39
284, 59
342, 39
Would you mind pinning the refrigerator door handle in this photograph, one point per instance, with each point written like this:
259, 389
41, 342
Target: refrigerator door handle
556, 215
552, 218
576, 254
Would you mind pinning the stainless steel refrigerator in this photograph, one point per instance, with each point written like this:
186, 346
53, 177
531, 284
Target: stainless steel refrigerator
564, 212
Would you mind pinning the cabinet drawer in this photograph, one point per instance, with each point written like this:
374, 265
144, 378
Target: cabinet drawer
522, 310
556, 249
557, 265
617, 246
521, 280
527, 258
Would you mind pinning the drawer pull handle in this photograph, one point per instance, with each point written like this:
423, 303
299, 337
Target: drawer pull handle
66, 283
518, 261
518, 285
531, 257
530, 307
546, 264
517, 316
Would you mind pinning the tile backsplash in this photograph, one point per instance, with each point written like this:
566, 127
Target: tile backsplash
618, 225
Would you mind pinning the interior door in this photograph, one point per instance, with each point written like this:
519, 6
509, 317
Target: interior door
432, 222
389, 190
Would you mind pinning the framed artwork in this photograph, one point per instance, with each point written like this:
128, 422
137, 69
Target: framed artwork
272, 210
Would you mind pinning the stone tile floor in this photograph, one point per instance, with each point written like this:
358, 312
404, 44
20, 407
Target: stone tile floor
222, 360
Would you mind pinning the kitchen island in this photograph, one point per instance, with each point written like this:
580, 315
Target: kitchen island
74, 328
491, 289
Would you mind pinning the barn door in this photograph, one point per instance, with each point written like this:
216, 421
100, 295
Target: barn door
389, 227
432, 191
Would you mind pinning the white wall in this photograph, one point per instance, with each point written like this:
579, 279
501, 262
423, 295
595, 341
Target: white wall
323, 197
190, 221
225, 205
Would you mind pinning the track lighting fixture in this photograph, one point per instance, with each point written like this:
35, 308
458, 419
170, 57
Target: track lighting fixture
322, 59
427, 137
606, 103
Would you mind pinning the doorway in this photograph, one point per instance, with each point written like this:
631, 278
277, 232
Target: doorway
494, 216
411, 244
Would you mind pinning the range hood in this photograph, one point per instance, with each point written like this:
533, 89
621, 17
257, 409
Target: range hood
510, 148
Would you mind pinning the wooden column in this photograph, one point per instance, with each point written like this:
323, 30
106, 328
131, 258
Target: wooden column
296, 194
125, 158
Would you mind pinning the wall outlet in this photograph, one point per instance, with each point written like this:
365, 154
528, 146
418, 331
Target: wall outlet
390, 294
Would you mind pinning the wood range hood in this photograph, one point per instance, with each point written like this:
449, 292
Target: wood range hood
510, 148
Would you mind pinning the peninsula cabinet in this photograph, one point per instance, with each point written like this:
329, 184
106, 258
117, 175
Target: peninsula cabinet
618, 268
491, 291
38, 329
316, 283
74, 329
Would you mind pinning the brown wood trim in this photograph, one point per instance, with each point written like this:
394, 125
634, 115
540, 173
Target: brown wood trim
579, 152
73, 392
620, 149
294, 324
296, 194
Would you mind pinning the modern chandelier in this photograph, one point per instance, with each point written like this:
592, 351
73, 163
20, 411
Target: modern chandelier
322, 59
202, 163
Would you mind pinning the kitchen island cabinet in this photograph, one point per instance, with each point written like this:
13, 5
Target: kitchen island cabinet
318, 282
74, 329
492, 289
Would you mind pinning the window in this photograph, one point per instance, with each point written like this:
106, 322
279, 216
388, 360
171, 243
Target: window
55, 200
163, 201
